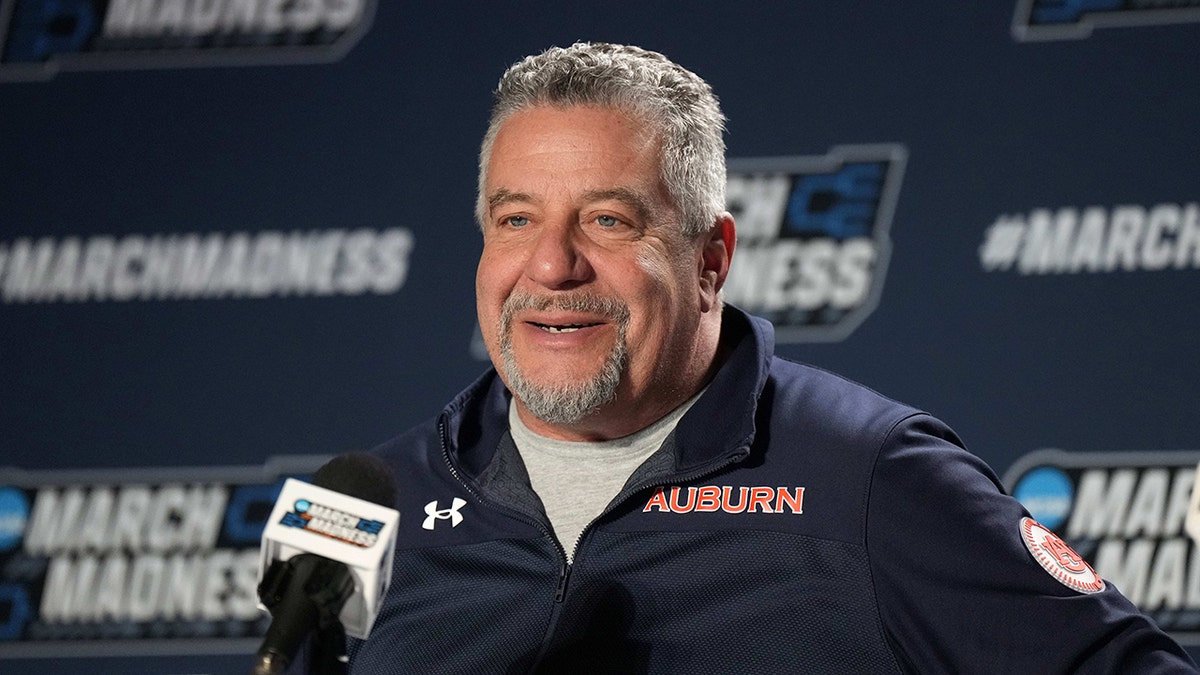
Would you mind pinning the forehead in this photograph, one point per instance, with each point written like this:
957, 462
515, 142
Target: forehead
582, 147
544, 128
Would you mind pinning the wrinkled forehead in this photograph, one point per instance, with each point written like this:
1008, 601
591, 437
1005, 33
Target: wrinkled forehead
553, 124
600, 153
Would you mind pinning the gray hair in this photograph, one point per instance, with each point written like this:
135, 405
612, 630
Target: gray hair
673, 101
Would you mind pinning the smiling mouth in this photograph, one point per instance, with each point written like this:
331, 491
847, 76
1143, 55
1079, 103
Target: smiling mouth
568, 328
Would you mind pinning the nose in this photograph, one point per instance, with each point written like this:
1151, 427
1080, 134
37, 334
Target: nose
558, 259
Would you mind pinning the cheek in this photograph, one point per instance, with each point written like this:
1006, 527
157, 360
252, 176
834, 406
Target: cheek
490, 292
666, 281
656, 293
493, 275
655, 267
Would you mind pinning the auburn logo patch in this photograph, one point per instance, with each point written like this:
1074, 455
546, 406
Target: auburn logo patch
712, 498
1059, 559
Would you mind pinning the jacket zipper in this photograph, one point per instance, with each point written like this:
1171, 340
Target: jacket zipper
621, 498
564, 574
564, 567
624, 496
564, 571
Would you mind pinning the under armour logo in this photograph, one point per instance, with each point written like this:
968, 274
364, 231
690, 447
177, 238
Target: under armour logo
435, 514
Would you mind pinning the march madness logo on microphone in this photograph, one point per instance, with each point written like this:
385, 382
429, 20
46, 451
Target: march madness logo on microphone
332, 523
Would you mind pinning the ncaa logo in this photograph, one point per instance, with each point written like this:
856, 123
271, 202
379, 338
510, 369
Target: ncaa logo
813, 242
14, 514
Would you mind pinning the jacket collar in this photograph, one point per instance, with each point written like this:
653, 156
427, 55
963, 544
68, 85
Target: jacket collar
473, 424
723, 419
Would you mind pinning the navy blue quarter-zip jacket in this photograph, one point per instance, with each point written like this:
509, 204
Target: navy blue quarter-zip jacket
793, 522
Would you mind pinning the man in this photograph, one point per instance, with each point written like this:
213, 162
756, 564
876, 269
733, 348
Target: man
641, 486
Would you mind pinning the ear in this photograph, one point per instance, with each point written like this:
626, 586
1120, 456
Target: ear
715, 256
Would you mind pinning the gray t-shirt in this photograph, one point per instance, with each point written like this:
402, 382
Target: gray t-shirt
577, 480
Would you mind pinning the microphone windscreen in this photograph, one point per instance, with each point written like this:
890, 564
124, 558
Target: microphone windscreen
359, 475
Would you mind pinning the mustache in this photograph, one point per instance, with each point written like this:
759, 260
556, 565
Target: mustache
591, 303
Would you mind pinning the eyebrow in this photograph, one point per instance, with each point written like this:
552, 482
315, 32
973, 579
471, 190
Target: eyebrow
505, 196
627, 196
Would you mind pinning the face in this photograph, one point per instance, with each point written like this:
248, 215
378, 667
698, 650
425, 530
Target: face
588, 296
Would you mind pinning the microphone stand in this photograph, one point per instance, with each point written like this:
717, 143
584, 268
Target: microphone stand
304, 593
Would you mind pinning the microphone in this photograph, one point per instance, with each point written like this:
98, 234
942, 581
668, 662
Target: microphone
326, 560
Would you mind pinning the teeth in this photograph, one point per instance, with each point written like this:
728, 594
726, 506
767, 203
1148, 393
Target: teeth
569, 328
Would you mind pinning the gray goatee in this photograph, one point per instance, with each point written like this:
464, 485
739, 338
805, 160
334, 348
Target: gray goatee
565, 403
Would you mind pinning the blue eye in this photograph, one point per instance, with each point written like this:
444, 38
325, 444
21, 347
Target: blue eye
517, 221
607, 221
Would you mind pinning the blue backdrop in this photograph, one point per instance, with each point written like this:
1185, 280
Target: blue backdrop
234, 241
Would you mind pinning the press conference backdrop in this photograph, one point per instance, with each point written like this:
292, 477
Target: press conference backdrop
237, 237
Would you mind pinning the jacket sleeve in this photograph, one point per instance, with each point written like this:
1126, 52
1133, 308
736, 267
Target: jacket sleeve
960, 592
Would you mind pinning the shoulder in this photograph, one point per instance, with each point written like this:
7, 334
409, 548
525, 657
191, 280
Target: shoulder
413, 443
460, 423
831, 407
